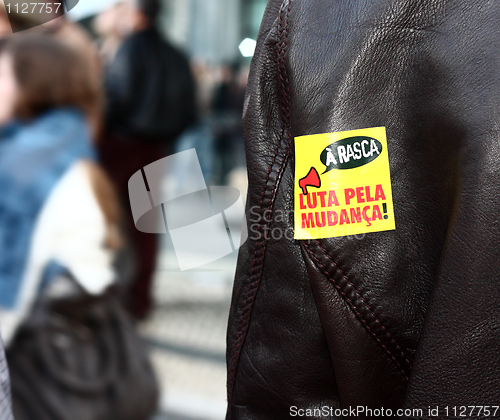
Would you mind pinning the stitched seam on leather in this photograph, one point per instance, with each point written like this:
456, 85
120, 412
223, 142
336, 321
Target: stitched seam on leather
398, 347
357, 310
285, 87
258, 262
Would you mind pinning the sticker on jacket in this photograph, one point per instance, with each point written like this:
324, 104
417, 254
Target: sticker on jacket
342, 184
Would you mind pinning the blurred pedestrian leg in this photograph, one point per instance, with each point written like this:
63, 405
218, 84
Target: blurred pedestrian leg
150, 102
122, 158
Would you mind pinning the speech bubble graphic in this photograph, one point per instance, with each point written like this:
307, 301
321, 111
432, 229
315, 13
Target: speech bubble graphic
351, 152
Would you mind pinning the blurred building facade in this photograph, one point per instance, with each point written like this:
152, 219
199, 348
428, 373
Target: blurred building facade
208, 30
211, 30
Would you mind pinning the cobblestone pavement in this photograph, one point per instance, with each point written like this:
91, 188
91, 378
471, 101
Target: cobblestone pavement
187, 329
187, 333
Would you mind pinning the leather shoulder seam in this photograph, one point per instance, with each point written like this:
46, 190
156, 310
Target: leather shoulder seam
267, 198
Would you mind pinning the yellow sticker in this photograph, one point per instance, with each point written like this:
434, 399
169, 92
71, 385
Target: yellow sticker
342, 184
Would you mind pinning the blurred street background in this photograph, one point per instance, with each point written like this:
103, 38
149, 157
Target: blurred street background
187, 336
208, 30
137, 111
187, 327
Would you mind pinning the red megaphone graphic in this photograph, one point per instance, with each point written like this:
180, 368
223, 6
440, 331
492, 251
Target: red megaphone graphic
310, 180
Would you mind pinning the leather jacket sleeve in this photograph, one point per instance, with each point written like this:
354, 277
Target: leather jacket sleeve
407, 318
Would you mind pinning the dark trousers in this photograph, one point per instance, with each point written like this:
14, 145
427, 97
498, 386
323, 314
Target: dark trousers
121, 158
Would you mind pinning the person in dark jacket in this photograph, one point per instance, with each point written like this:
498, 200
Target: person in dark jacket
150, 101
405, 319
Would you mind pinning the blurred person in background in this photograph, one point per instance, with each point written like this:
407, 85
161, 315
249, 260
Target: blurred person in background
73, 35
150, 102
5, 393
227, 109
57, 208
70, 33
113, 25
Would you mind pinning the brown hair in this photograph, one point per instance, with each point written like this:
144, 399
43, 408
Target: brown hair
108, 201
50, 75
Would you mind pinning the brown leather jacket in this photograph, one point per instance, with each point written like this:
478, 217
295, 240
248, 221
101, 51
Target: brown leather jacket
406, 318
